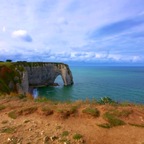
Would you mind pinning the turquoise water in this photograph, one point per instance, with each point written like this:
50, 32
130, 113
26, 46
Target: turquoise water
92, 82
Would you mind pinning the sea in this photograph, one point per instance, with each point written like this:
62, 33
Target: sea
120, 83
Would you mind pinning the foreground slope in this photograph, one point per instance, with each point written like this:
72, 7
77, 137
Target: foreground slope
27, 121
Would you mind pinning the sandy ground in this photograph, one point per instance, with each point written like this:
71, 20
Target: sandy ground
28, 122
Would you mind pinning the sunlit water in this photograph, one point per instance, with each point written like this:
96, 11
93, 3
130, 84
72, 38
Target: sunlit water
118, 83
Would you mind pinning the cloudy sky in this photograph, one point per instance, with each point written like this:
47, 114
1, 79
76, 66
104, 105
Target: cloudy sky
93, 31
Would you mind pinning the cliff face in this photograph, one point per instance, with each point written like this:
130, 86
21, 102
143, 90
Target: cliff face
38, 74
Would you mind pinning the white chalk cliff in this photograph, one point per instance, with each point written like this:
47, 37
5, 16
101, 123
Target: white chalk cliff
43, 74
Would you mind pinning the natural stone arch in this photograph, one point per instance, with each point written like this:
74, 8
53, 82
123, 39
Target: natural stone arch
58, 80
44, 74
35, 74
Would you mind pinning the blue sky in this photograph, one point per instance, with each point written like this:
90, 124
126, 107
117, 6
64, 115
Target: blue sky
90, 31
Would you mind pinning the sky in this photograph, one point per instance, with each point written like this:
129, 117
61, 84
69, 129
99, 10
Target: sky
72, 31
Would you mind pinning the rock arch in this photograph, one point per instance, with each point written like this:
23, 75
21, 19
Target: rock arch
47, 73
35, 74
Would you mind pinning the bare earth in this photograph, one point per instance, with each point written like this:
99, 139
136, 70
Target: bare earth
28, 122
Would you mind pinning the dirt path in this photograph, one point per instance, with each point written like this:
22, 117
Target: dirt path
28, 122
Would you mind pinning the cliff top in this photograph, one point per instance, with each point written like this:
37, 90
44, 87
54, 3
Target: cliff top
27, 121
8, 64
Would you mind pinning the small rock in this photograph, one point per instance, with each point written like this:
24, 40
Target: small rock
8, 139
81, 141
42, 132
46, 139
30, 129
53, 138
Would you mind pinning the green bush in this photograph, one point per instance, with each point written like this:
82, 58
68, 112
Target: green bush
92, 111
8, 130
77, 136
65, 133
2, 107
106, 100
13, 114
113, 121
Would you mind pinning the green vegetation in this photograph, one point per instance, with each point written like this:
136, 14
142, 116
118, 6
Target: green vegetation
11, 73
113, 120
42, 99
65, 133
8, 130
106, 100
2, 107
73, 109
8, 60
77, 136
122, 113
9, 77
92, 111
13, 114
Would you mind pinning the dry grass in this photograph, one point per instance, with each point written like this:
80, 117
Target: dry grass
137, 125
26, 111
47, 111
122, 113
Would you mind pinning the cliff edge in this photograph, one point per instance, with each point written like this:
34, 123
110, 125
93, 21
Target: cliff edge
19, 76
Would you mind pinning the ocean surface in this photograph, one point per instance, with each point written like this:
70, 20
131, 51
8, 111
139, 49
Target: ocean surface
122, 84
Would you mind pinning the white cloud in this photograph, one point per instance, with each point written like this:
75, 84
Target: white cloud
22, 34
64, 27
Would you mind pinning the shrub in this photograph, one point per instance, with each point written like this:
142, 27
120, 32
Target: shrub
8, 130
92, 111
13, 114
77, 136
122, 113
113, 121
106, 100
65, 133
2, 107
8, 60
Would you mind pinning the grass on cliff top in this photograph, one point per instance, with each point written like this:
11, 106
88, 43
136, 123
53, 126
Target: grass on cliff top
6, 64
27, 63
